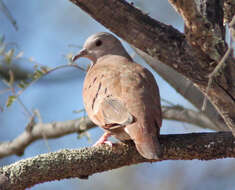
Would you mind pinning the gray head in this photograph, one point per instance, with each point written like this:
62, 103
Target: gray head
101, 44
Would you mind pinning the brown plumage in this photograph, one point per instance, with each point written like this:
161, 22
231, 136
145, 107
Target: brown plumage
121, 96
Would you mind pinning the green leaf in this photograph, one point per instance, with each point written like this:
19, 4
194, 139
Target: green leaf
9, 55
44, 69
37, 74
10, 100
23, 84
40, 72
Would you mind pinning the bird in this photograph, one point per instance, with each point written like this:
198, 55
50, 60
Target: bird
121, 96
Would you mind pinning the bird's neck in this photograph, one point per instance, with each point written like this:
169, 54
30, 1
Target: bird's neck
123, 54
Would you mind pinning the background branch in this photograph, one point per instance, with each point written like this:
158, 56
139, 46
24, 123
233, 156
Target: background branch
42, 131
6, 11
85, 162
59, 129
179, 113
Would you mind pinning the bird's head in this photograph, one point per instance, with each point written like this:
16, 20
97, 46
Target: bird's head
99, 45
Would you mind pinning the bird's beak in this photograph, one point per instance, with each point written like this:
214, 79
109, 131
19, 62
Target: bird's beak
82, 53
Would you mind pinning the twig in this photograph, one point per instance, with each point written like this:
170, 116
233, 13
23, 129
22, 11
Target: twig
10, 84
222, 61
51, 70
6, 11
213, 74
168, 102
37, 113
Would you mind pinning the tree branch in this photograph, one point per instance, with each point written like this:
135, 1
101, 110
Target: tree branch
170, 47
204, 25
178, 113
229, 10
41, 131
85, 162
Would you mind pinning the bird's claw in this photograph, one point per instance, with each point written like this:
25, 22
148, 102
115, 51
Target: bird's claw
104, 140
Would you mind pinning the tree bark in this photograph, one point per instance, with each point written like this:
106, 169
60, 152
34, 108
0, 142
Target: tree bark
87, 161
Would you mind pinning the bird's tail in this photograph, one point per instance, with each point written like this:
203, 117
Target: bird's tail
150, 148
146, 140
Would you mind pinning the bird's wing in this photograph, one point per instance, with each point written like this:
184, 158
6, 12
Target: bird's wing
102, 95
114, 113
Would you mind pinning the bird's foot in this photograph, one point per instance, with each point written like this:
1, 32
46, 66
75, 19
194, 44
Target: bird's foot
104, 140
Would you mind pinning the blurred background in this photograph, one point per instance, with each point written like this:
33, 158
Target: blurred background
47, 32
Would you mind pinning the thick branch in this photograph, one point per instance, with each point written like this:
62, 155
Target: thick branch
203, 25
85, 162
170, 47
59, 129
229, 10
204, 29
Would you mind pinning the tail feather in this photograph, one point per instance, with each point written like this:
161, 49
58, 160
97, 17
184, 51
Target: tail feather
150, 149
146, 140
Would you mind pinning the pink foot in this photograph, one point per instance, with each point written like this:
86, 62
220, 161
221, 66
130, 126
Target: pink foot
104, 140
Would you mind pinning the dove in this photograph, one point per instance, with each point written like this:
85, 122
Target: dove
121, 96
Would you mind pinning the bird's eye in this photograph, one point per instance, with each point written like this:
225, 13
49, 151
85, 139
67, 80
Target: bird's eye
98, 43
